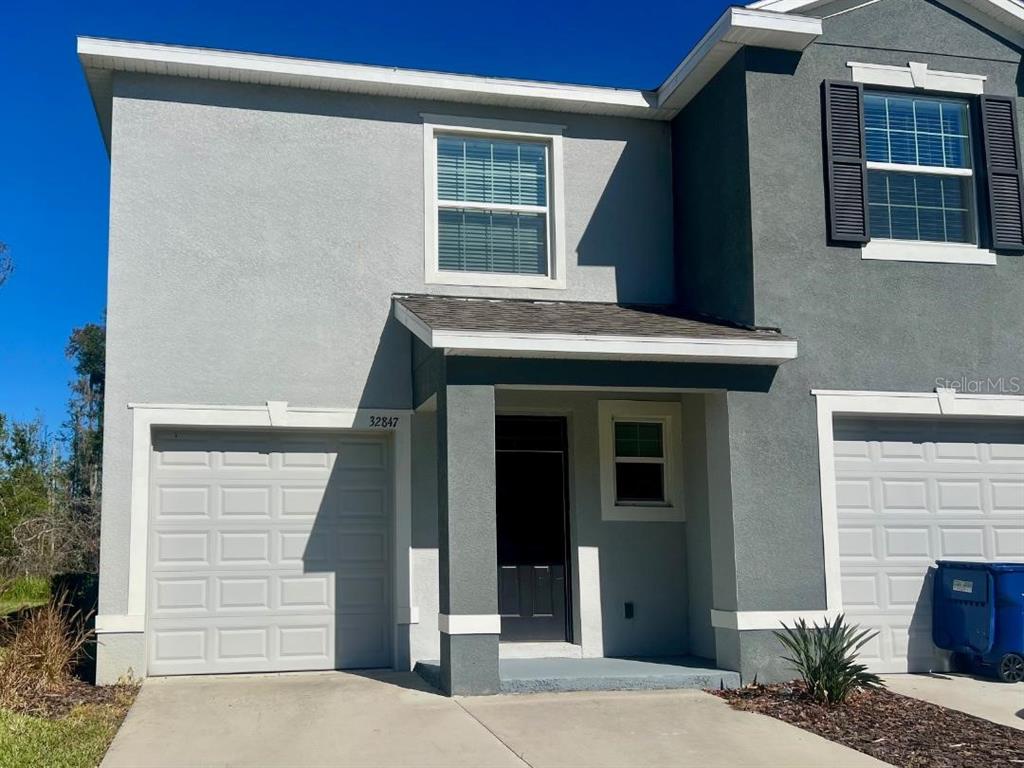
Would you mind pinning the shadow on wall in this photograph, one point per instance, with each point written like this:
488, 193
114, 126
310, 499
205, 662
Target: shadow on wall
349, 548
630, 228
388, 382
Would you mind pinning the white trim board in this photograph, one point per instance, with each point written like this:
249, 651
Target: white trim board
746, 620
469, 624
275, 414
920, 251
917, 75
592, 346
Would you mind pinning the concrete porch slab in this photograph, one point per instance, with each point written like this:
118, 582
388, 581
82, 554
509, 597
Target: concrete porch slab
602, 674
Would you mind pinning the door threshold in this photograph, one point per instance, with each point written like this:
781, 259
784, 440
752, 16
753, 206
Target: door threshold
539, 650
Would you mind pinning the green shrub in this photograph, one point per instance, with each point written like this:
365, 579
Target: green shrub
826, 658
23, 591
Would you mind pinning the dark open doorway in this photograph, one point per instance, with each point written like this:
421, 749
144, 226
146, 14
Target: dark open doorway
533, 528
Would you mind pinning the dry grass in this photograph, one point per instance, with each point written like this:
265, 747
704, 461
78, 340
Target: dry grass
39, 660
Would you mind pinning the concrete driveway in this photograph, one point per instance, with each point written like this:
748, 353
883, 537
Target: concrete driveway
393, 719
991, 699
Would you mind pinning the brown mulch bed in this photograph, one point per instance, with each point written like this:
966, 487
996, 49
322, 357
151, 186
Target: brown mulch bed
58, 703
889, 727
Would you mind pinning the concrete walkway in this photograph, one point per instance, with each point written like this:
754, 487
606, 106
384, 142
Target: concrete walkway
395, 719
991, 699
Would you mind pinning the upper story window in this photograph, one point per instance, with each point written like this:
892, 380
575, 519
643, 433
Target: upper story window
920, 176
493, 204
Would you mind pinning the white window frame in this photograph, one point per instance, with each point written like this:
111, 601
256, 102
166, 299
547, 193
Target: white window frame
669, 415
551, 136
916, 79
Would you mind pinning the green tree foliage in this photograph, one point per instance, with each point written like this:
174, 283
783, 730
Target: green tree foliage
25, 477
87, 348
50, 485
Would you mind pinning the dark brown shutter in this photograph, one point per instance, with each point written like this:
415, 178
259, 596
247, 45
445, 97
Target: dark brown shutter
1002, 165
846, 161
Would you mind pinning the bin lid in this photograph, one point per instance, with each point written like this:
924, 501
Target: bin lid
1002, 567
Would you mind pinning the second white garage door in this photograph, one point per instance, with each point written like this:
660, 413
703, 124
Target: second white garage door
268, 552
909, 493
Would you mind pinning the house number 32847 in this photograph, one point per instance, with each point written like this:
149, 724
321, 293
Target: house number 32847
383, 422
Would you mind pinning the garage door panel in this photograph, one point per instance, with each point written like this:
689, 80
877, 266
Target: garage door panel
181, 549
938, 491
287, 567
1008, 542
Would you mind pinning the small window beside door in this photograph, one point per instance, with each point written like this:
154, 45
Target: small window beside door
639, 462
640, 472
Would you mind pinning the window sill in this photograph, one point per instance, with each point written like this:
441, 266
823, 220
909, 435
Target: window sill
488, 280
648, 513
934, 253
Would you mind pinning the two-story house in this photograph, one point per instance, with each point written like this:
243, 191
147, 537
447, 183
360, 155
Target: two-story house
407, 366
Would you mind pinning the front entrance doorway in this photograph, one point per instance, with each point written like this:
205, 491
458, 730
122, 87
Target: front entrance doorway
532, 515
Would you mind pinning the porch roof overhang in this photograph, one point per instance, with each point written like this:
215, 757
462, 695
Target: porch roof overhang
583, 330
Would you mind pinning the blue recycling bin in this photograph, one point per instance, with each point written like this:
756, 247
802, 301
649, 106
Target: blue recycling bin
978, 612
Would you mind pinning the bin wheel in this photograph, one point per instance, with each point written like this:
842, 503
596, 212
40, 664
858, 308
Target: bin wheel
1011, 668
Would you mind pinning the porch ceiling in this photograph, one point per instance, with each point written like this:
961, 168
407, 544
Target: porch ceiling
583, 330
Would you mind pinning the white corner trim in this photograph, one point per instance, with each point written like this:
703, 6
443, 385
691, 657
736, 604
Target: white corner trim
548, 134
114, 623
846, 402
746, 620
584, 346
671, 417
917, 75
147, 416
469, 624
924, 252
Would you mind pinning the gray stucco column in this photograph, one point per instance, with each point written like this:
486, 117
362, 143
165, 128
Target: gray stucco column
467, 540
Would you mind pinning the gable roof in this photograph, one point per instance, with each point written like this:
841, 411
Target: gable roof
1004, 17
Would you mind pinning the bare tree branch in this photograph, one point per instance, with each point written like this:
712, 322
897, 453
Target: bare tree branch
6, 263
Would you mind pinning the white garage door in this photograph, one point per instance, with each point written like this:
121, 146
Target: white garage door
912, 492
268, 553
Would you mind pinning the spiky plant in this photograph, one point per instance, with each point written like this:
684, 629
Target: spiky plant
826, 658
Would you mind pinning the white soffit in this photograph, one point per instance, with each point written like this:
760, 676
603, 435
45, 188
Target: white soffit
736, 27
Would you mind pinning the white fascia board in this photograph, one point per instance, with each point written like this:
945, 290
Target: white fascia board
266, 69
754, 351
735, 28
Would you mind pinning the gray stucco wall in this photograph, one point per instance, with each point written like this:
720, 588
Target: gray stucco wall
257, 233
861, 325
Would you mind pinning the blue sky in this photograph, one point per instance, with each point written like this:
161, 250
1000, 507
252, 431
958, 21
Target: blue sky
54, 170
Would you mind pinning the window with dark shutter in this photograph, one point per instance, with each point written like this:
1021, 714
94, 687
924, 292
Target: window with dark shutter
1003, 166
847, 171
